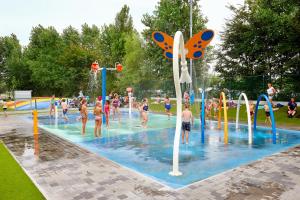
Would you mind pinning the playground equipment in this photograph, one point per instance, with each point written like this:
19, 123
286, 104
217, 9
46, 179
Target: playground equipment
173, 49
202, 115
185, 78
271, 115
250, 136
95, 69
223, 100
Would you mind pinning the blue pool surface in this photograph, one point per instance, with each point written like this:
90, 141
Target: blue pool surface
150, 151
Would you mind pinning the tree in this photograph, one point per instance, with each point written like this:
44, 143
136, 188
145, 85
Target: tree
261, 42
14, 74
112, 44
170, 16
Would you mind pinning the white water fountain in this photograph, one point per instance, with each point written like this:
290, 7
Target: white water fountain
178, 48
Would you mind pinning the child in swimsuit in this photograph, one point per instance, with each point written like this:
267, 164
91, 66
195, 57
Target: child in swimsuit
187, 118
98, 119
107, 111
52, 105
84, 115
144, 113
251, 107
64, 106
168, 106
116, 105
267, 111
215, 106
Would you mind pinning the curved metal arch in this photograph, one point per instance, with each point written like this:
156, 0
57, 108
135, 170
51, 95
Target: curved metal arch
202, 116
222, 97
250, 137
271, 115
178, 49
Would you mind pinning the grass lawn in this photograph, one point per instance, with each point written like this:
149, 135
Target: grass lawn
14, 183
281, 118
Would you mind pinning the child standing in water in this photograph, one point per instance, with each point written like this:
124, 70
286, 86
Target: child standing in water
84, 115
64, 106
268, 118
168, 106
98, 119
144, 113
187, 119
52, 105
251, 107
107, 112
116, 105
215, 106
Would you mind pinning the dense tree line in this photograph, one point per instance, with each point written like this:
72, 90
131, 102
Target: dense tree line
54, 63
262, 44
259, 44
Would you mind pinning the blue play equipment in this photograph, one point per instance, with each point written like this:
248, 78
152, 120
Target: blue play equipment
103, 91
271, 115
202, 116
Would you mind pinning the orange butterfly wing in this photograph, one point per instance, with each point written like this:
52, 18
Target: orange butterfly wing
165, 42
197, 44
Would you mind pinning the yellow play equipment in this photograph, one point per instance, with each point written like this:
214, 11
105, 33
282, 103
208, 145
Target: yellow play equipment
223, 100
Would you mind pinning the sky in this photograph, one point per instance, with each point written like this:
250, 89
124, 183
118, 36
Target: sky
19, 16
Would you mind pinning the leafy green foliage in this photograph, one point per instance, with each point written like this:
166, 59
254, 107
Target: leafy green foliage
169, 16
262, 38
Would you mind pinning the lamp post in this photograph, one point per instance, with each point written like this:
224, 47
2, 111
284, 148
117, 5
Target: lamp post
191, 35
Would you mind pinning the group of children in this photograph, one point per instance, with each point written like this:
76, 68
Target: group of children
143, 107
98, 112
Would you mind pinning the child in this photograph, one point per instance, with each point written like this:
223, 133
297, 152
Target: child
107, 112
292, 107
208, 106
215, 106
52, 105
84, 115
187, 118
251, 107
98, 119
168, 106
5, 108
144, 113
116, 105
186, 97
268, 118
64, 106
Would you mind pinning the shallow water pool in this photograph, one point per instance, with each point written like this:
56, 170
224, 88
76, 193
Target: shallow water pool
150, 151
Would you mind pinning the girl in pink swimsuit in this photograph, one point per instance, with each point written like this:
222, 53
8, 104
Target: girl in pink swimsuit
107, 111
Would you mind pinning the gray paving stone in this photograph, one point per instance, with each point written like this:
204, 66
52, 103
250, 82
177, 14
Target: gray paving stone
65, 171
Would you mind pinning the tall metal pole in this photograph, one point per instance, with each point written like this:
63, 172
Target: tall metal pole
191, 35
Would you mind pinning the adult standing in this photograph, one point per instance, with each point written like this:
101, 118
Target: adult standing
271, 92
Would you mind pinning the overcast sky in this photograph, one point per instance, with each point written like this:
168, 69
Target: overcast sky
19, 16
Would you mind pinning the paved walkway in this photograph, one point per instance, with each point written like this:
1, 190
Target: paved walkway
62, 170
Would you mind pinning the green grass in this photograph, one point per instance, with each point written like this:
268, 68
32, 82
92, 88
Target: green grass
14, 183
281, 118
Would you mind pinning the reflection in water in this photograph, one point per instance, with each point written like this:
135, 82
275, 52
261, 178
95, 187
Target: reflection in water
36, 145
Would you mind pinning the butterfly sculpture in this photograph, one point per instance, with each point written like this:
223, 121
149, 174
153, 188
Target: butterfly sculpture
194, 46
